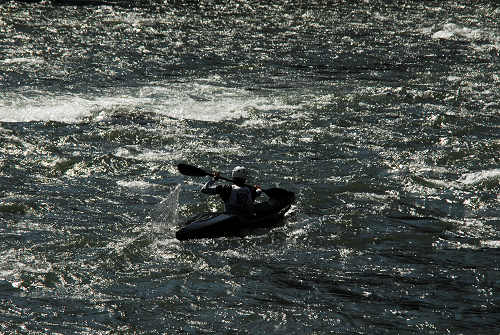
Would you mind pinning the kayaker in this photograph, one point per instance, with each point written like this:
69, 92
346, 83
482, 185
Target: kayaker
238, 198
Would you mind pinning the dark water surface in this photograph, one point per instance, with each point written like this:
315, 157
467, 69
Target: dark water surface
383, 117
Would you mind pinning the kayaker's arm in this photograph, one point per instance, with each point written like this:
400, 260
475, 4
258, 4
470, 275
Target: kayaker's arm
209, 187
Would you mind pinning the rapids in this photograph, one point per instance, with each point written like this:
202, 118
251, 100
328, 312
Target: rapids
382, 117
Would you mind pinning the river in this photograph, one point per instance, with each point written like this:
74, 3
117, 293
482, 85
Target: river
383, 117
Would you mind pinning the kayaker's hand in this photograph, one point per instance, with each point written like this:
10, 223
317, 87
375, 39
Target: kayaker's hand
258, 190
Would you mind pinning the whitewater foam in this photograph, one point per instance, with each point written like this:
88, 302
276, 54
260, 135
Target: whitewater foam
452, 30
209, 103
187, 101
61, 108
135, 184
148, 155
17, 60
480, 176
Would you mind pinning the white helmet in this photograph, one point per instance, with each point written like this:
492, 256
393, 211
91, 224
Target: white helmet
240, 172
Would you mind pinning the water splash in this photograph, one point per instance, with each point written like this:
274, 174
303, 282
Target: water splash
165, 214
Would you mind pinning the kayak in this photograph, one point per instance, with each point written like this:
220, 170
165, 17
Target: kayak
268, 214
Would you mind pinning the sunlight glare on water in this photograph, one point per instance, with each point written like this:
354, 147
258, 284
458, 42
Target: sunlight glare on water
382, 117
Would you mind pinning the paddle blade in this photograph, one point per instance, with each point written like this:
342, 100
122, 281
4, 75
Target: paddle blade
191, 170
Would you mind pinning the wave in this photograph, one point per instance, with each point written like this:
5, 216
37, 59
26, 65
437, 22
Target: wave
487, 39
45, 106
29, 60
186, 101
450, 30
479, 177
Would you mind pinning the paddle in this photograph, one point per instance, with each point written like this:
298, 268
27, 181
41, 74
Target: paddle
193, 171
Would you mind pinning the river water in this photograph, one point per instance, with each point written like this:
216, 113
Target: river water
383, 117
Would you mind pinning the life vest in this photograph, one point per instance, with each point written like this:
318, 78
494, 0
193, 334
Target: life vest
240, 201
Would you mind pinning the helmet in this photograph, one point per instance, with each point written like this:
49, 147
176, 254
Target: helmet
240, 172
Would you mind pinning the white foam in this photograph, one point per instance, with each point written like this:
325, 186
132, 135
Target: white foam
491, 244
207, 111
63, 108
208, 103
138, 153
480, 176
185, 101
450, 30
30, 60
454, 78
135, 184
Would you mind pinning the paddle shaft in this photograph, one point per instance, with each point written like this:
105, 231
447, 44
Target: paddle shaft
194, 171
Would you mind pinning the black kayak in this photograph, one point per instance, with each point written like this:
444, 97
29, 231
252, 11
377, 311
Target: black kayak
212, 225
